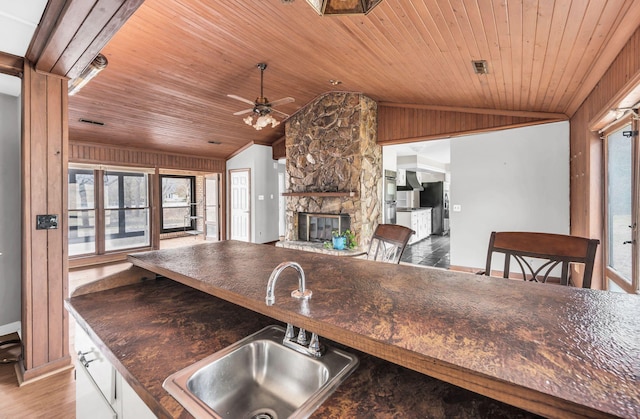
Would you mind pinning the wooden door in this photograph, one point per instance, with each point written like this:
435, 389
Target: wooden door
240, 206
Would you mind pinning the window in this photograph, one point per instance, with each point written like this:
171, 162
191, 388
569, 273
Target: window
126, 210
178, 194
82, 214
108, 210
622, 180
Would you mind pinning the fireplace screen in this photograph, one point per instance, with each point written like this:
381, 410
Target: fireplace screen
318, 227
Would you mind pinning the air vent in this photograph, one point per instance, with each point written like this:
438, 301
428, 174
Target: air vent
480, 67
214, 142
89, 121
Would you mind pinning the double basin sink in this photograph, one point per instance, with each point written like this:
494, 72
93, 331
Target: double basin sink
258, 377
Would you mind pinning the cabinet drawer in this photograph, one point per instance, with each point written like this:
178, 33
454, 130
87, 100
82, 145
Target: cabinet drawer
95, 364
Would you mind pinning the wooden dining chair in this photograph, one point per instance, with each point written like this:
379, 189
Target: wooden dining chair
550, 249
388, 243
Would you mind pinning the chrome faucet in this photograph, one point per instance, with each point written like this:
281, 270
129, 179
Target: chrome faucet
299, 343
301, 292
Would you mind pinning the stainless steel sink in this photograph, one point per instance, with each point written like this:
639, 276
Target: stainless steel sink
258, 377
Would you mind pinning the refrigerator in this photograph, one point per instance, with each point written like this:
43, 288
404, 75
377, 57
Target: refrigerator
432, 196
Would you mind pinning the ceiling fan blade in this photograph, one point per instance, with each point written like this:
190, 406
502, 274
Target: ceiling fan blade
243, 112
282, 101
241, 99
281, 113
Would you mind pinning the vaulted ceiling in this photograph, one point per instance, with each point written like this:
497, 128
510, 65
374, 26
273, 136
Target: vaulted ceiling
172, 64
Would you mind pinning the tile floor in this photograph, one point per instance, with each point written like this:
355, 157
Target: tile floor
432, 251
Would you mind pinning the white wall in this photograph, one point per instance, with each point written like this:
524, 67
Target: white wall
264, 182
512, 180
10, 235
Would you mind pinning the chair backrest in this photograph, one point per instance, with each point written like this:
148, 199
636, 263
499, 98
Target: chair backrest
552, 249
388, 243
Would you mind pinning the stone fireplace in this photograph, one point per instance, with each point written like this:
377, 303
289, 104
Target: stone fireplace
334, 164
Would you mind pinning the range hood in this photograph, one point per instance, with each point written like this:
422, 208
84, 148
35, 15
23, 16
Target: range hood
412, 183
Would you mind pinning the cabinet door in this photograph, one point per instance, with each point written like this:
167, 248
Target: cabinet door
427, 223
415, 226
132, 405
90, 403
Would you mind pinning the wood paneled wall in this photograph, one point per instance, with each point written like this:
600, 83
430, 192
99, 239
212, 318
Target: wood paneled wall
586, 147
102, 154
397, 124
44, 252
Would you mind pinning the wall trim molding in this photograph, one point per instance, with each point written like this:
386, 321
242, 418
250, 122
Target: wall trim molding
5, 329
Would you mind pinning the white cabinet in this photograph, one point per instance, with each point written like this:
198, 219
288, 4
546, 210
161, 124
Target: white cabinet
419, 221
101, 392
132, 405
401, 177
90, 401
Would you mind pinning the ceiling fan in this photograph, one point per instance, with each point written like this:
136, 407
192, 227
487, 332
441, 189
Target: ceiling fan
262, 108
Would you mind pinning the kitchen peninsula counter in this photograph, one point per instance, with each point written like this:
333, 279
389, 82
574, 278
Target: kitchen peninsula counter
154, 328
553, 350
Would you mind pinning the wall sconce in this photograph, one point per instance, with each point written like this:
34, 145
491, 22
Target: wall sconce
96, 66
343, 7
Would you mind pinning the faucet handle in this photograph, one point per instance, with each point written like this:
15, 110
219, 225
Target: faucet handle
290, 334
315, 348
302, 337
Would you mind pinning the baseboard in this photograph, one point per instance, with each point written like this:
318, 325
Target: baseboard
35, 374
6, 329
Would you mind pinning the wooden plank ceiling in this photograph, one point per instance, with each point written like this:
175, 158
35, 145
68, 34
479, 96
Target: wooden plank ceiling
173, 63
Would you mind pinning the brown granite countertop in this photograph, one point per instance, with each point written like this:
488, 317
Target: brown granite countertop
154, 328
557, 351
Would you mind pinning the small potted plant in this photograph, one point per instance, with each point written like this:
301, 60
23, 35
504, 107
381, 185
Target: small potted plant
344, 240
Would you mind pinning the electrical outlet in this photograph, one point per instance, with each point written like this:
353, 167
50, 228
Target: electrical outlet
46, 222
457, 208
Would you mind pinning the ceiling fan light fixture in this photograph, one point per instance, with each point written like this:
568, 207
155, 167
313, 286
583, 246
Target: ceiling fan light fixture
261, 121
343, 7
262, 108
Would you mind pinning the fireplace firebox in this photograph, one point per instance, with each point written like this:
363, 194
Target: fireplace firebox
319, 227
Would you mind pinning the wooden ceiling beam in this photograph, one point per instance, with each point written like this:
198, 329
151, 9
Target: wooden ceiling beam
11, 64
481, 111
72, 32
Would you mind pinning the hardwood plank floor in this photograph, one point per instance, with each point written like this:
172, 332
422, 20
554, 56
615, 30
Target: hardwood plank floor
50, 397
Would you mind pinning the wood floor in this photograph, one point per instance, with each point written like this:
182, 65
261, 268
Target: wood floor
54, 397
50, 397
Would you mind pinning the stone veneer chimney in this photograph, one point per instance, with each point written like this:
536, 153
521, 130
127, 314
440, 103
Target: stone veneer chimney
331, 147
